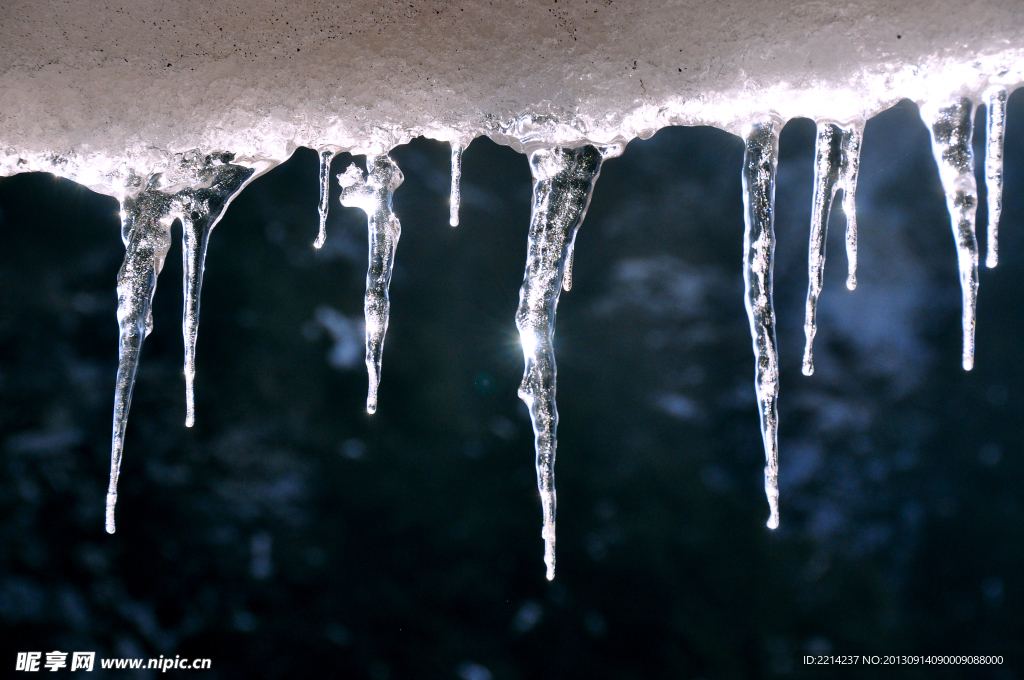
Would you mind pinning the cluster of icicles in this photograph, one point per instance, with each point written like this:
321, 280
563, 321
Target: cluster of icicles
563, 184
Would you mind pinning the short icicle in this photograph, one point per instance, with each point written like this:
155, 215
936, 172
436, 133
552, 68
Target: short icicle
326, 154
146, 232
563, 182
995, 105
456, 194
201, 207
836, 161
951, 126
760, 159
372, 194
851, 142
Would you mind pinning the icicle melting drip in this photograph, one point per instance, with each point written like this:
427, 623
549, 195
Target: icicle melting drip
563, 181
146, 232
836, 161
372, 194
995, 105
200, 209
951, 126
327, 154
760, 158
456, 195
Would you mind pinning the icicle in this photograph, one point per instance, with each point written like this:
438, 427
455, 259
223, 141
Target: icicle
852, 138
200, 210
456, 195
372, 194
563, 181
951, 126
760, 158
327, 154
837, 159
146, 232
995, 105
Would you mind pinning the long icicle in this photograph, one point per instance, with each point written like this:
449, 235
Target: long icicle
951, 126
372, 193
836, 161
146, 232
995, 106
200, 210
760, 159
326, 154
563, 182
456, 193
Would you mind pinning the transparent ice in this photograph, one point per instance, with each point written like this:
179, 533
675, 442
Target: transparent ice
326, 154
200, 209
836, 162
196, 193
951, 125
563, 182
995, 105
371, 193
456, 194
760, 159
146, 232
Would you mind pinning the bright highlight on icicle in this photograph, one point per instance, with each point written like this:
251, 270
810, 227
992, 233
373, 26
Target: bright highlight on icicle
836, 161
326, 154
456, 194
563, 181
851, 167
146, 232
200, 209
951, 126
760, 159
372, 194
995, 105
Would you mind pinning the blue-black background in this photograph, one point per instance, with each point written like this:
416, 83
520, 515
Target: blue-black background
288, 534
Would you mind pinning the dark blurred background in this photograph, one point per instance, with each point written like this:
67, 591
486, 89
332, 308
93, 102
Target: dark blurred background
288, 534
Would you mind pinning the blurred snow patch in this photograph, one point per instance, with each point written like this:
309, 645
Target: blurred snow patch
468, 670
347, 334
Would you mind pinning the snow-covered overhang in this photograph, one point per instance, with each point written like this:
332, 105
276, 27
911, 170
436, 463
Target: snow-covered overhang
92, 91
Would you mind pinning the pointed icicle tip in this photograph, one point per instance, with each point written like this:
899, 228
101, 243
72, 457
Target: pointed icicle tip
456, 191
111, 504
951, 125
548, 534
